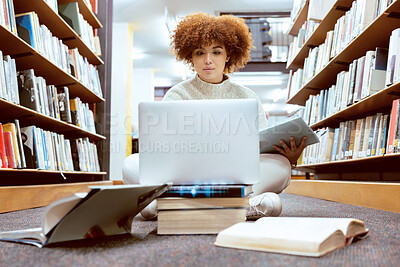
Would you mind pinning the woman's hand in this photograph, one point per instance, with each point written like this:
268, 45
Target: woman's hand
293, 152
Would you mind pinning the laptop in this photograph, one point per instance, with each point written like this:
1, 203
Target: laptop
199, 142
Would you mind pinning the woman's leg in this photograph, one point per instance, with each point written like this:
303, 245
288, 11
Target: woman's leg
275, 174
130, 169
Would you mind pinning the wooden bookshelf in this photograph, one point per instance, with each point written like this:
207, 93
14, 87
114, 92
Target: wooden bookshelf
383, 196
378, 102
318, 36
34, 196
26, 117
28, 58
375, 35
58, 27
300, 19
23, 177
86, 12
388, 162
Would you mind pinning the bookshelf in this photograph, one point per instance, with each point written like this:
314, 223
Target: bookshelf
27, 57
300, 18
376, 34
318, 36
57, 26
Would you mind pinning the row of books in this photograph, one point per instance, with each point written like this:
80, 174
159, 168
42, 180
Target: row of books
299, 40
370, 136
85, 72
32, 92
70, 13
7, 15
205, 209
34, 148
369, 69
347, 28
69, 60
81, 115
297, 5
8, 79
365, 77
42, 40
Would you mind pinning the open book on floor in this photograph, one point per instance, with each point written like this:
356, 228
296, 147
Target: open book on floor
293, 235
296, 127
103, 211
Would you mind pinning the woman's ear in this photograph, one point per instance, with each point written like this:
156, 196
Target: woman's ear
227, 59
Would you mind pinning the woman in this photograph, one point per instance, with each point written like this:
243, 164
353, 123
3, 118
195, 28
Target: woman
213, 47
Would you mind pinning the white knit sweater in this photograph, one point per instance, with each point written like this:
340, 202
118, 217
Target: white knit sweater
195, 88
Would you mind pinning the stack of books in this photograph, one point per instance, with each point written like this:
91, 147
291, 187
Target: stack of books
201, 209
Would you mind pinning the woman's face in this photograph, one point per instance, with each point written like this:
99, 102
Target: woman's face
209, 62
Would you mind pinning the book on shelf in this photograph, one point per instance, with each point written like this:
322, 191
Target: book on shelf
8, 144
303, 236
353, 139
7, 15
392, 139
4, 162
26, 28
70, 13
10, 127
63, 104
103, 211
293, 127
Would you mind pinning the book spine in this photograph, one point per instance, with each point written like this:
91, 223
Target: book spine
3, 149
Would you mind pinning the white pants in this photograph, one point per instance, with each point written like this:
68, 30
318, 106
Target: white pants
275, 172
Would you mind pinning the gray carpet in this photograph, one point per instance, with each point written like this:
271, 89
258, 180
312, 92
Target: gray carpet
145, 248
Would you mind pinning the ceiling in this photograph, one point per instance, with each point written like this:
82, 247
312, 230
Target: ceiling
151, 41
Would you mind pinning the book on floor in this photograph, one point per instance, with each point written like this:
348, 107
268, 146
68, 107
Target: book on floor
103, 211
296, 127
293, 235
178, 216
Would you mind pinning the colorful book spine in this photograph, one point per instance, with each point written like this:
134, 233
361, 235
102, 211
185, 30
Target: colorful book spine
202, 191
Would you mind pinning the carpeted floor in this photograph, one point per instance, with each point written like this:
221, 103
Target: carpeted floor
145, 248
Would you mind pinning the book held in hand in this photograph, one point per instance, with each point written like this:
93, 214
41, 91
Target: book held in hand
293, 235
103, 211
296, 127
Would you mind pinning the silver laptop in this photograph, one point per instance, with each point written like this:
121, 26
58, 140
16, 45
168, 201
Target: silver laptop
199, 142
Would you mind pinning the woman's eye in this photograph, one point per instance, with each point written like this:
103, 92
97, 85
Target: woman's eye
217, 52
199, 53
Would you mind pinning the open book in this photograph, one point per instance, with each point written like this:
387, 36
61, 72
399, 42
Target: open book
296, 127
104, 210
293, 235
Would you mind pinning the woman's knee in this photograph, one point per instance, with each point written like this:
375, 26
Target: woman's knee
130, 169
275, 173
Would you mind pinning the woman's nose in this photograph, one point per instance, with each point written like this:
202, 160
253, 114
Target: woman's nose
208, 58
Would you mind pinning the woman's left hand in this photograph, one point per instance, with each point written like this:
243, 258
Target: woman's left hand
293, 152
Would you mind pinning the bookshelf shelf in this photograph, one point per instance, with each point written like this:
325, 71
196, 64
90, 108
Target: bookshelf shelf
380, 101
369, 164
10, 111
6, 170
86, 12
299, 20
58, 27
375, 35
28, 58
318, 36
